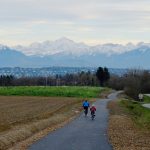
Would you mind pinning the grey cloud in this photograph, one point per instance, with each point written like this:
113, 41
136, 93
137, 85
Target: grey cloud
19, 10
69, 16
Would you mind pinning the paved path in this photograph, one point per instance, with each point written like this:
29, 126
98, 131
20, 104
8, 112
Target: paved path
146, 105
147, 95
80, 134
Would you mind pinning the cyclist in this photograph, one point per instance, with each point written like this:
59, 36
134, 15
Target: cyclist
86, 105
93, 109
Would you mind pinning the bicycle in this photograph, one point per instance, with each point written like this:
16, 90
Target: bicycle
92, 115
85, 111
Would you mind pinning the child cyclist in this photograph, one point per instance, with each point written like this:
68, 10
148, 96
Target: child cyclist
93, 109
86, 105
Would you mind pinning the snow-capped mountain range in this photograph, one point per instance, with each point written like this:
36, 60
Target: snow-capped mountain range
67, 46
62, 45
65, 52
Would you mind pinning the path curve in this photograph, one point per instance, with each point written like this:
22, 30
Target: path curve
146, 105
82, 133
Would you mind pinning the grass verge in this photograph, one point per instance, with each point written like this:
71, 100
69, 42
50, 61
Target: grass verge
140, 114
146, 99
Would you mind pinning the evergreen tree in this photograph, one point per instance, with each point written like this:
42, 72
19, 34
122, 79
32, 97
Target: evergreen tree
100, 75
103, 75
106, 74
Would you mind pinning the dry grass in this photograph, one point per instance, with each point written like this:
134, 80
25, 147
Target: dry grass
123, 132
21, 117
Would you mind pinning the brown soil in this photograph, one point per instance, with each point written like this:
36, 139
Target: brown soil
123, 132
22, 117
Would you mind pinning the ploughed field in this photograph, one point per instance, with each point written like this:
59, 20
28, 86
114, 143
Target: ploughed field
23, 116
17, 110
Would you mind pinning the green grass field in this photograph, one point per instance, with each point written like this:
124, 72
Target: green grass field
146, 99
63, 91
140, 114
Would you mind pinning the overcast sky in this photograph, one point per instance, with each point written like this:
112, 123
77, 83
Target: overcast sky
89, 21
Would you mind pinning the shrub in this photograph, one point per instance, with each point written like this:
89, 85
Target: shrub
133, 83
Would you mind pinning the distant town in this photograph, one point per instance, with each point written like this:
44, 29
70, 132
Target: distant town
52, 71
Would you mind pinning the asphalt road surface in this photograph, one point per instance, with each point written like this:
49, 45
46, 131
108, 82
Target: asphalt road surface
146, 105
82, 133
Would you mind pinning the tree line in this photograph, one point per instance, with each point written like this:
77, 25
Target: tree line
101, 76
134, 82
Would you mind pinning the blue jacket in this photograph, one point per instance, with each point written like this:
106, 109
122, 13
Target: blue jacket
86, 104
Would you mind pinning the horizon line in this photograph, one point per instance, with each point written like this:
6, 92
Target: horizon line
86, 42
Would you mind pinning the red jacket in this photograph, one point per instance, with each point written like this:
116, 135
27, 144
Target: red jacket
93, 108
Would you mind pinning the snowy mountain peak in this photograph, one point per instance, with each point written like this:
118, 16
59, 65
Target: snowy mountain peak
3, 47
64, 40
64, 52
62, 45
67, 46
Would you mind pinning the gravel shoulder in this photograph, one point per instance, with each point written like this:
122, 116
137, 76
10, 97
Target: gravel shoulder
123, 133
